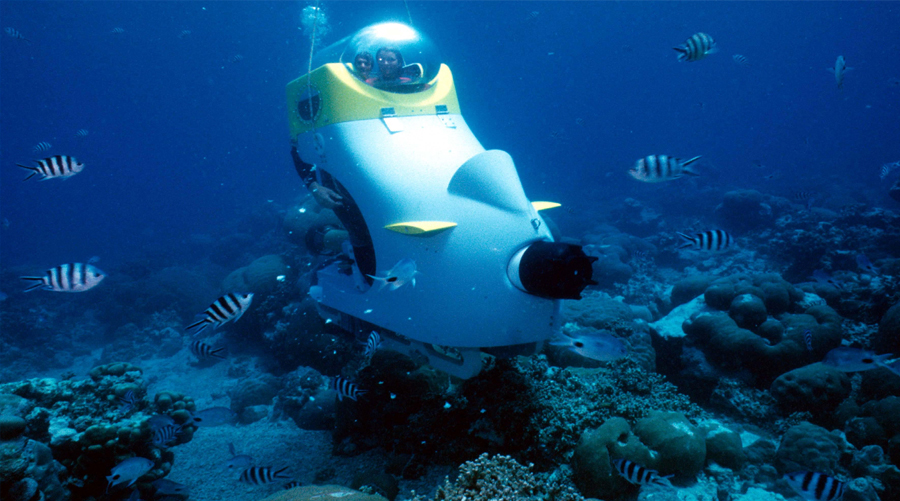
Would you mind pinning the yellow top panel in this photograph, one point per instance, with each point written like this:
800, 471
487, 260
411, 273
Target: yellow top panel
344, 98
420, 227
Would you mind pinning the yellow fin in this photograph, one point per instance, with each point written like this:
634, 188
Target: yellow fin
420, 227
544, 205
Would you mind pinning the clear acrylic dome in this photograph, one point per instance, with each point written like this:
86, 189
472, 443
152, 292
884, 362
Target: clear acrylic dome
400, 59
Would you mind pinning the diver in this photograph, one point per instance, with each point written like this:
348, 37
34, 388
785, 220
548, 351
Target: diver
331, 194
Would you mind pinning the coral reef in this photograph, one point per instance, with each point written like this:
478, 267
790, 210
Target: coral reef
87, 429
501, 477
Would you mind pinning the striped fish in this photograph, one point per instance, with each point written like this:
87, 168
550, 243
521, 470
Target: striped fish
741, 59
639, 475
227, 308
117, 31
55, 167
70, 277
292, 484
41, 147
807, 338
258, 475
372, 345
815, 486
661, 168
696, 48
184, 33
81, 133
165, 434
15, 34
887, 168
237, 58
710, 240
345, 388
127, 402
204, 351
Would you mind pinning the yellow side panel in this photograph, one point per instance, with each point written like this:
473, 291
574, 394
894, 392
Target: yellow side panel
345, 98
544, 205
420, 227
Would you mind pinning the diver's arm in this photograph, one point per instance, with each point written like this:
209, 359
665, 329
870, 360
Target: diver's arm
326, 197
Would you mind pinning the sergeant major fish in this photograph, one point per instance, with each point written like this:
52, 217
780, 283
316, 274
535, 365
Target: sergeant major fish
639, 475
55, 167
661, 168
227, 308
710, 240
128, 471
402, 273
15, 34
839, 70
345, 388
204, 351
70, 277
258, 475
814, 486
695, 48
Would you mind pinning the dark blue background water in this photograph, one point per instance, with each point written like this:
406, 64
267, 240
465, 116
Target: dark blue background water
183, 141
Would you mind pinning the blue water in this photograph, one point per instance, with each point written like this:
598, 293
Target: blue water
182, 141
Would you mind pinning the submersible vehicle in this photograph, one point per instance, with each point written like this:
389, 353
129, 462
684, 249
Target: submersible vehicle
490, 274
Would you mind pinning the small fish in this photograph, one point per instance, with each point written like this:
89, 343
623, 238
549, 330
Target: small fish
807, 338
402, 272
72, 277
237, 58
165, 434
237, 461
372, 344
814, 486
41, 147
81, 133
741, 59
822, 277
127, 402
602, 345
55, 167
710, 240
184, 33
345, 388
227, 308
292, 484
214, 416
128, 471
157, 421
166, 487
696, 48
864, 264
579, 122
774, 175
15, 34
661, 168
117, 31
839, 70
847, 359
804, 195
258, 475
639, 475
204, 351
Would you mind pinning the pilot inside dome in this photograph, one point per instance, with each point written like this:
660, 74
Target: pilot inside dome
392, 57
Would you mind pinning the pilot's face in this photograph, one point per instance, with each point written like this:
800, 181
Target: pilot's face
389, 65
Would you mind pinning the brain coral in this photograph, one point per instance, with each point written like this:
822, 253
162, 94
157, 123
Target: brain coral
767, 347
